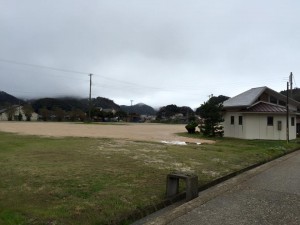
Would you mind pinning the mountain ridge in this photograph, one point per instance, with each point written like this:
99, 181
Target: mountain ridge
69, 103
7, 99
140, 108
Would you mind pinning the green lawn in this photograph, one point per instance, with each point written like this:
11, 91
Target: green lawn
101, 181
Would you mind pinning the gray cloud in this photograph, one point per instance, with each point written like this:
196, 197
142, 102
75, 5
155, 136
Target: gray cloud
156, 52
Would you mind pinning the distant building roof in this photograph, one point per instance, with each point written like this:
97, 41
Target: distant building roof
246, 98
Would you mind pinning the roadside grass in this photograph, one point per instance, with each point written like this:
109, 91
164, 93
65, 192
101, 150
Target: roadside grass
101, 181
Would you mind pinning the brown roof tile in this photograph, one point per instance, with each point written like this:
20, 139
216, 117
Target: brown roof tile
266, 107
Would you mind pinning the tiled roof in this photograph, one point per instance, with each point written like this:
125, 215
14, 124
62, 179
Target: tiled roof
245, 99
266, 107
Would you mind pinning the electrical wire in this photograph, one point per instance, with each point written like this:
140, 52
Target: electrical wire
42, 67
295, 82
132, 85
71, 71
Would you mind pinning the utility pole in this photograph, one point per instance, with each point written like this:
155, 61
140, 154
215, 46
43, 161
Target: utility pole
19, 106
90, 97
131, 112
291, 84
287, 113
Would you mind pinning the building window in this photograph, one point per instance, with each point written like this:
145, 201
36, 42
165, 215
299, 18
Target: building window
232, 120
282, 103
293, 121
270, 120
240, 120
273, 99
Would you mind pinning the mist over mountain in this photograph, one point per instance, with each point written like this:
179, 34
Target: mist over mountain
71, 103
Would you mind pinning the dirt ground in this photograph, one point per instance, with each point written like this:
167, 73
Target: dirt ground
130, 131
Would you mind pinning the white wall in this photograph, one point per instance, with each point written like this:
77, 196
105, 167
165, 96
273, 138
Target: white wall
34, 116
255, 126
235, 130
3, 116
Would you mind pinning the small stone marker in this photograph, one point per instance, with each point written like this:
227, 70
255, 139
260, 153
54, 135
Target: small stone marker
191, 185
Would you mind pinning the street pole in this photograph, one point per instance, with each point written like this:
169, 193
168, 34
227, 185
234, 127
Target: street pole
90, 97
131, 112
287, 113
291, 84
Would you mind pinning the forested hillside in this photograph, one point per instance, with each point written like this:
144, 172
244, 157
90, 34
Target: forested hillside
141, 109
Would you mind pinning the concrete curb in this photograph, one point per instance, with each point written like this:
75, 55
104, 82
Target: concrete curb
215, 191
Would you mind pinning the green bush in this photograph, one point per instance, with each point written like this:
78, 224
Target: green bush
191, 127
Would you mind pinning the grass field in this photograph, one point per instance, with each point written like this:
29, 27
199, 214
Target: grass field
101, 181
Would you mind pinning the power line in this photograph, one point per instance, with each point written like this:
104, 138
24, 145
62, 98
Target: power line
40, 66
132, 85
70, 71
295, 82
104, 77
49, 68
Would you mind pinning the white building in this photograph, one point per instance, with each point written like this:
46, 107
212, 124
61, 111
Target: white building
259, 113
18, 110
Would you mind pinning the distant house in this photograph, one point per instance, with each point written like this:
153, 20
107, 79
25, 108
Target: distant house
147, 118
259, 113
113, 111
18, 111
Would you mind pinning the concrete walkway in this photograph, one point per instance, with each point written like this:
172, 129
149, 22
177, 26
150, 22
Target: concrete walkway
269, 194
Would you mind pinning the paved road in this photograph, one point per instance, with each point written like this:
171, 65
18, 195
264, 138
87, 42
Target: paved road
269, 194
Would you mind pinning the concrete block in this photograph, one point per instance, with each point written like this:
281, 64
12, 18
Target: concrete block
191, 185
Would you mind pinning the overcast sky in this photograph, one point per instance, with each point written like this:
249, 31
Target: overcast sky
158, 52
